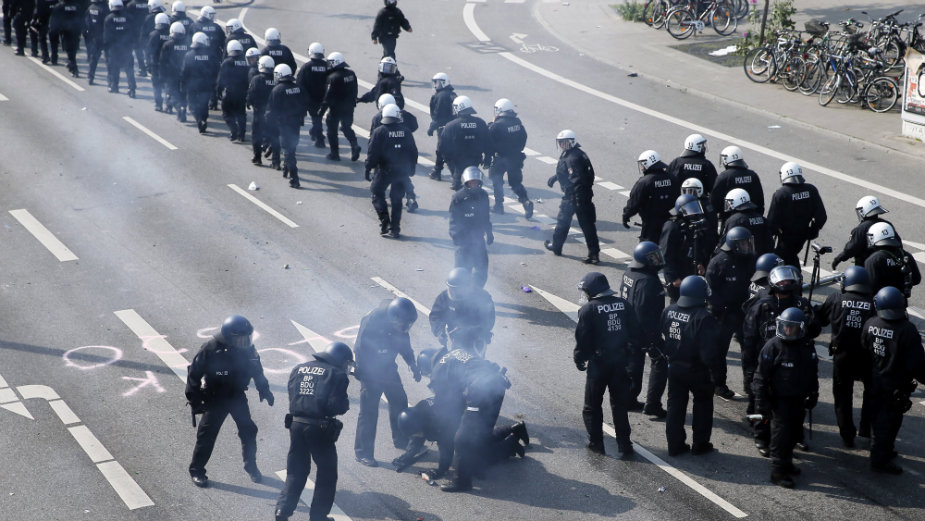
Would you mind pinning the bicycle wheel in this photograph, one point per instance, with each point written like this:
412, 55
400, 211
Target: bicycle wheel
791, 73
828, 90
659, 11
680, 24
741, 9
759, 65
892, 53
847, 89
812, 76
881, 94
724, 20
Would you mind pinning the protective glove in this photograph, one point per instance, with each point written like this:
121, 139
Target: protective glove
368, 174
416, 373
486, 163
836, 261
626, 224
430, 130
551, 181
442, 339
581, 364
813, 232
198, 407
811, 401
490, 238
268, 396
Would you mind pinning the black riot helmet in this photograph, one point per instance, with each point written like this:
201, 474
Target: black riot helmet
647, 254
593, 284
791, 324
856, 279
689, 208
890, 304
739, 240
410, 422
426, 359
784, 279
402, 313
765, 264
459, 283
337, 354
236, 332
694, 292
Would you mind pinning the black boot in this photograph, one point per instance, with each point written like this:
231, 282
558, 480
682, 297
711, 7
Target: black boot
384, 224
354, 152
519, 430
294, 177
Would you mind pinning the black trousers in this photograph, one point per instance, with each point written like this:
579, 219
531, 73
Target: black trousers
40, 38
317, 130
652, 229
513, 166
473, 255
211, 423
388, 45
7, 22
587, 218
259, 130
343, 118
364, 444
396, 184
198, 103
458, 165
730, 323
789, 246
845, 371
234, 113
20, 23
140, 55
289, 142
601, 378
307, 443
885, 424
681, 386
70, 41
475, 444
94, 50
658, 379
786, 431
157, 87
117, 61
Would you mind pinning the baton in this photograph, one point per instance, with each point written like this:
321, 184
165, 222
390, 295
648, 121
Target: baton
806, 253
810, 424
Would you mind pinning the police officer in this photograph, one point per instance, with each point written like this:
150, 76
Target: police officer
340, 97
232, 87
137, 10
171, 61
693, 186
728, 275
8, 22
411, 125
847, 312
741, 211
889, 264
317, 393
470, 226
21, 14
227, 363
197, 78
868, 211
441, 113
312, 77
685, 243
178, 14
652, 196
796, 213
156, 40
258, 95
155, 7
421, 424
758, 288
387, 26
642, 288
695, 366
604, 337
40, 21
383, 334
464, 140
507, 139
65, 25
93, 35
895, 346
275, 48
693, 163
388, 82
576, 179
463, 314
118, 42
393, 155
286, 109
760, 326
206, 24
235, 30
252, 57
736, 175
786, 383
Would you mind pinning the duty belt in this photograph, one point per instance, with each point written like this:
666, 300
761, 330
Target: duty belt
320, 422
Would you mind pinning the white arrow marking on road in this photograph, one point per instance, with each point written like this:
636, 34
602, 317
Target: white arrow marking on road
263, 205
518, 38
156, 343
10, 402
571, 310
306, 497
4, 98
150, 133
315, 340
40, 232
57, 74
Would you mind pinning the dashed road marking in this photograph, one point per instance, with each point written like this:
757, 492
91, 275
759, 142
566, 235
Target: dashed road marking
40, 232
610, 186
619, 255
548, 160
150, 133
285, 220
57, 74
625, 193
4, 98
399, 293
155, 342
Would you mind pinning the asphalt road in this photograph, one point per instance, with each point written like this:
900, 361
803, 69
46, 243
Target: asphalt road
165, 248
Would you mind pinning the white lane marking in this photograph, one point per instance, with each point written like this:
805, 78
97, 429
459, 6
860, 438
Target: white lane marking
120, 480
544, 219
571, 310
514, 1
150, 133
617, 254
7, 395
40, 232
3, 382
18, 408
548, 160
306, 498
530, 152
469, 19
822, 271
919, 257
916, 245
4, 98
399, 293
154, 342
682, 477
625, 193
88, 442
263, 205
916, 312
43, 392
10, 402
57, 74
610, 186
64, 412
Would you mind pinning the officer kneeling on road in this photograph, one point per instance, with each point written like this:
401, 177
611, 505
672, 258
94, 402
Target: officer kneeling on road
227, 362
317, 393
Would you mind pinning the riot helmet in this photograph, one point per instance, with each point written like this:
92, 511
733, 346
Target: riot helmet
471, 173
791, 324
731, 156
402, 314
765, 264
462, 106
688, 207
337, 354
882, 234
791, 173
594, 284
388, 66
692, 186
265, 64
233, 48
440, 80
503, 107
869, 206
385, 99
391, 114
647, 160
647, 254
890, 303
696, 143
856, 279
236, 332
694, 292
739, 240
738, 199
410, 422
459, 283
784, 279
282, 72
565, 140
316, 50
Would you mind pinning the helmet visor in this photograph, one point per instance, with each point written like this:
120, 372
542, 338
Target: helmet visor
744, 246
692, 210
655, 259
457, 292
238, 341
388, 68
783, 278
789, 329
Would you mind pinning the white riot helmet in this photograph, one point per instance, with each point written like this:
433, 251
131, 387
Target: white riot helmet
566, 139
207, 13
869, 206
882, 234
233, 25
696, 143
336, 59
391, 114
177, 29
115, 5
791, 173
440, 80
738, 199
200, 40
388, 65
155, 6
647, 160
462, 106
178, 7
265, 64
692, 186
503, 105
282, 71
385, 99
162, 21
252, 53
272, 35
731, 156
472, 173
316, 50
233, 47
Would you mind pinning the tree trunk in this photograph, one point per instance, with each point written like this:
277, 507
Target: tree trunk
764, 21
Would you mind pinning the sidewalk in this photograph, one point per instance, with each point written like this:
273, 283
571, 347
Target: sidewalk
596, 29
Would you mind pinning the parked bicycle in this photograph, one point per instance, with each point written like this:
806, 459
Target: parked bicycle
682, 21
